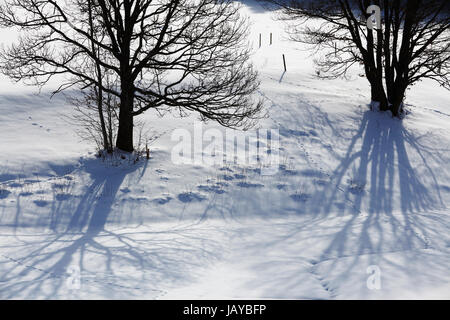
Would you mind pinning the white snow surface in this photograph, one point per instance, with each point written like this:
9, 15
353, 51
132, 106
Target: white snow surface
355, 189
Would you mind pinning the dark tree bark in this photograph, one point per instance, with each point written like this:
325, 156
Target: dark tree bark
125, 133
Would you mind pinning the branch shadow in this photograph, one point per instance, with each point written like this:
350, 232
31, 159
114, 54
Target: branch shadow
384, 157
391, 212
391, 192
88, 236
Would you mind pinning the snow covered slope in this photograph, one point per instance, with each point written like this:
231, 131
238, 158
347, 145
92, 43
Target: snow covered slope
358, 197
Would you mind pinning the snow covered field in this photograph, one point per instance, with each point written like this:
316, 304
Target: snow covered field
356, 192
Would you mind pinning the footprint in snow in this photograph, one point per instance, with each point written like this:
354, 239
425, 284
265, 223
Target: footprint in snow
321, 182
281, 186
288, 172
187, 197
40, 203
62, 196
299, 197
214, 189
222, 184
125, 190
4, 193
15, 185
249, 185
162, 201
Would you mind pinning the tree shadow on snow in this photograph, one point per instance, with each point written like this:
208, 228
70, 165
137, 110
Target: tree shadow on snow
384, 157
388, 183
392, 191
41, 267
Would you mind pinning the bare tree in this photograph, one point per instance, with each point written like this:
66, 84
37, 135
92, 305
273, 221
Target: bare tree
96, 115
409, 42
188, 55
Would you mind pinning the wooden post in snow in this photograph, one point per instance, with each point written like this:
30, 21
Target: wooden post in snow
284, 63
271, 38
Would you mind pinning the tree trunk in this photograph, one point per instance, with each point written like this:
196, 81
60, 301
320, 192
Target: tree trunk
109, 107
396, 102
378, 93
375, 78
125, 132
99, 90
102, 119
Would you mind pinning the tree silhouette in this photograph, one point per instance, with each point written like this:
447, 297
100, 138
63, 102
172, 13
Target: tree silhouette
171, 54
409, 42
